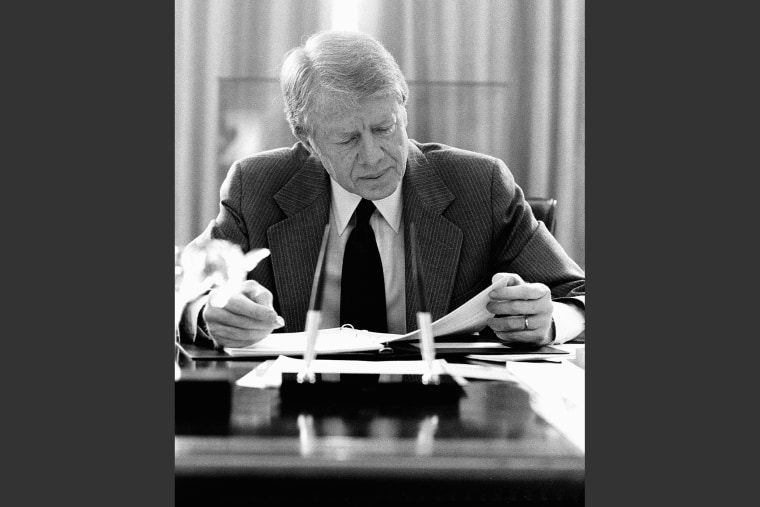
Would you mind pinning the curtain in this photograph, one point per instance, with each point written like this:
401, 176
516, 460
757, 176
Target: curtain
517, 70
502, 77
215, 40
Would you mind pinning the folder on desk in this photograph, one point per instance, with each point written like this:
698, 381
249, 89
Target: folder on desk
468, 318
483, 346
339, 341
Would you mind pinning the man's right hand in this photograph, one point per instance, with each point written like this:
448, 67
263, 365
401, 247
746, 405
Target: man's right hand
247, 317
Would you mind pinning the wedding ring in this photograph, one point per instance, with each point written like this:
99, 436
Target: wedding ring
526, 323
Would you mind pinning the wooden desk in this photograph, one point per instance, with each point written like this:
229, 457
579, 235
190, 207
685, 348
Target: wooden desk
490, 447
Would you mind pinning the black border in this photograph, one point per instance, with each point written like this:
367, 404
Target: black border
89, 227
89, 205
669, 322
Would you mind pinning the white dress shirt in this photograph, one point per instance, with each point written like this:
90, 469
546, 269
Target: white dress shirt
389, 234
388, 227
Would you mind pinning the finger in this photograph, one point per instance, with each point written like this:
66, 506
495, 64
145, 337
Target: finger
258, 293
519, 307
227, 336
522, 291
522, 330
517, 323
507, 324
225, 317
242, 305
524, 339
506, 279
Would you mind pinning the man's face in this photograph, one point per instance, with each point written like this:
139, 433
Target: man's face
364, 149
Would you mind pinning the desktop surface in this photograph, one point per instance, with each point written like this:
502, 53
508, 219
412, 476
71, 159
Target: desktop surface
487, 446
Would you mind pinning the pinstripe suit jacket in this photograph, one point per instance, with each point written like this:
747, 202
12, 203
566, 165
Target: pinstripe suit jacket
471, 219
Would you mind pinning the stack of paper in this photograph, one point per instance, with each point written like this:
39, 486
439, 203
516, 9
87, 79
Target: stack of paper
329, 341
469, 318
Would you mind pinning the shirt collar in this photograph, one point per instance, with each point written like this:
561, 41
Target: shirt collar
344, 203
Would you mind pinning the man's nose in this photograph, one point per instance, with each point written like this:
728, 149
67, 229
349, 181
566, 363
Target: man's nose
370, 152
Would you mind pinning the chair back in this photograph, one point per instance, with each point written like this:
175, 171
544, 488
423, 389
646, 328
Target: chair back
544, 209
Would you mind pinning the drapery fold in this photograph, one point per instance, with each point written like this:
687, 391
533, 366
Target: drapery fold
223, 39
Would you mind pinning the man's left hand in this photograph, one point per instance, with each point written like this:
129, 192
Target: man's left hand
522, 311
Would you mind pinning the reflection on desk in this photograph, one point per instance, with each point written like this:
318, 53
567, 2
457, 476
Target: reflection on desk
489, 446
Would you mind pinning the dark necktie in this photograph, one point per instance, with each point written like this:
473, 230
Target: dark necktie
362, 289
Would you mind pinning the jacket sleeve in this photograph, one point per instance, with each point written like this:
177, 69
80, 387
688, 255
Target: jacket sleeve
227, 225
525, 246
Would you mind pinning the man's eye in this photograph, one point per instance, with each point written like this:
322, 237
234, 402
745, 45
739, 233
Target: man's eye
349, 140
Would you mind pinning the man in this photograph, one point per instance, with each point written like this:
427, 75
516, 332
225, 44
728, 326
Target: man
345, 99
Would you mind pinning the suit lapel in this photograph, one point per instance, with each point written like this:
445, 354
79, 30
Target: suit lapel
438, 240
305, 200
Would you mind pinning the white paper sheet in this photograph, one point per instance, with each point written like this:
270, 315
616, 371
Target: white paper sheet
468, 318
559, 395
529, 356
270, 375
482, 372
329, 341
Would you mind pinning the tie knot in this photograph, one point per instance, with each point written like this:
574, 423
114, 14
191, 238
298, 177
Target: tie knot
364, 211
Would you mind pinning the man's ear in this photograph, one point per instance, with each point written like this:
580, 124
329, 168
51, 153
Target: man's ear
305, 141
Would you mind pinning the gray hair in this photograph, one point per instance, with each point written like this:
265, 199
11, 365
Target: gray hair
336, 69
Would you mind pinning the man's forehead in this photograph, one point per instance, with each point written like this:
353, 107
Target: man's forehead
371, 111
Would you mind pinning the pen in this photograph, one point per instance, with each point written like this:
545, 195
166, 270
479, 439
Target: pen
314, 315
424, 320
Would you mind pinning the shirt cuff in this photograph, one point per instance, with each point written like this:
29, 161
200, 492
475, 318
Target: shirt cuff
192, 321
569, 321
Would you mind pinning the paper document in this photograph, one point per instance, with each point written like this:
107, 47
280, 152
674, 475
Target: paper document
518, 356
553, 352
482, 372
270, 374
329, 341
465, 346
466, 319
559, 395
258, 376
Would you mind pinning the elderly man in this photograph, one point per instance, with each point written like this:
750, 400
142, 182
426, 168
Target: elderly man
355, 168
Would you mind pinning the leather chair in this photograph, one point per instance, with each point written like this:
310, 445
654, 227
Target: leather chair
544, 209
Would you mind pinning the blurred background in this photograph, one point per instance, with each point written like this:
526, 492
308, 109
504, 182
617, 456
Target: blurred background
501, 77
